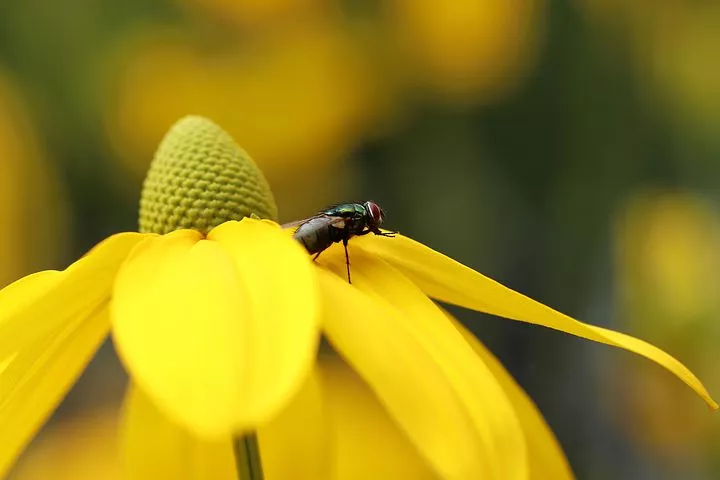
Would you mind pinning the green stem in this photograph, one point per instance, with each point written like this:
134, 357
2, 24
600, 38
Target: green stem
247, 457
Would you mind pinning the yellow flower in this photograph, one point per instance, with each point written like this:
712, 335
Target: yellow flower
219, 333
467, 51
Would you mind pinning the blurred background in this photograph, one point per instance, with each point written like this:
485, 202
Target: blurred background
569, 149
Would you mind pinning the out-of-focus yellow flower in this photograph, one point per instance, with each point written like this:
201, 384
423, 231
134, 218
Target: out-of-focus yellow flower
219, 333
668, 259
33, 214
468, 50
298, 100
667, 264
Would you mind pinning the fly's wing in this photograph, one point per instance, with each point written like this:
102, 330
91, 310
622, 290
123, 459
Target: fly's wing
319, 220
294, 224
334, 220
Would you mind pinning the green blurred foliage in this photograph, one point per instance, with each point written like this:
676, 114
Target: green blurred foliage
512, 135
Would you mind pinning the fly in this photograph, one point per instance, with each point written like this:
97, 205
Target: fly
337, 224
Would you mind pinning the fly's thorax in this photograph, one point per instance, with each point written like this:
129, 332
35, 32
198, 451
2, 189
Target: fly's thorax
354, 214
347, 210
201, 178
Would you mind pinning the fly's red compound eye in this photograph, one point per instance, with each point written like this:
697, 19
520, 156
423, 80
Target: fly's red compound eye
375, 212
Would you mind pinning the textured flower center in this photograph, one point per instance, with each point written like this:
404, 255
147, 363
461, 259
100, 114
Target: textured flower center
201, 178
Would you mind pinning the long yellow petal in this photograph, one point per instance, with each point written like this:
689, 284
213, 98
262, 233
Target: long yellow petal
297, 442
368, 444
20, 294
153, 447
449, 281
502, 450
284, 301
545, 456
40, 304
38, 377
391, 357
17, 297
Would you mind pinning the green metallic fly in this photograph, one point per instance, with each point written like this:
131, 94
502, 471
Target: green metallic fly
337, 224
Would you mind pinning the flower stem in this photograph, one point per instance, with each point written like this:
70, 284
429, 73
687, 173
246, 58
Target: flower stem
247, 457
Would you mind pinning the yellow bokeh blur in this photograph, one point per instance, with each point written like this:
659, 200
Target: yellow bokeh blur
668, 259
468, 50
33, 213
668, 268
79, 447
293, 101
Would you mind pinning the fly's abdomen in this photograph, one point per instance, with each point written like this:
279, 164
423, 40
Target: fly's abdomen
316, 234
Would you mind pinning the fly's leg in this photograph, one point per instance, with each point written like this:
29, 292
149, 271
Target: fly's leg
316, 255
347, 259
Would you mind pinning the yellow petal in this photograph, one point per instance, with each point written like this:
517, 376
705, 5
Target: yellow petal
284, 301
196, 324
368, 444
178, 313
296, 443
502, 450
39, 304
545, 456
449, 281
388, 353
38, 377
153, 447
22, 293
16, 297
